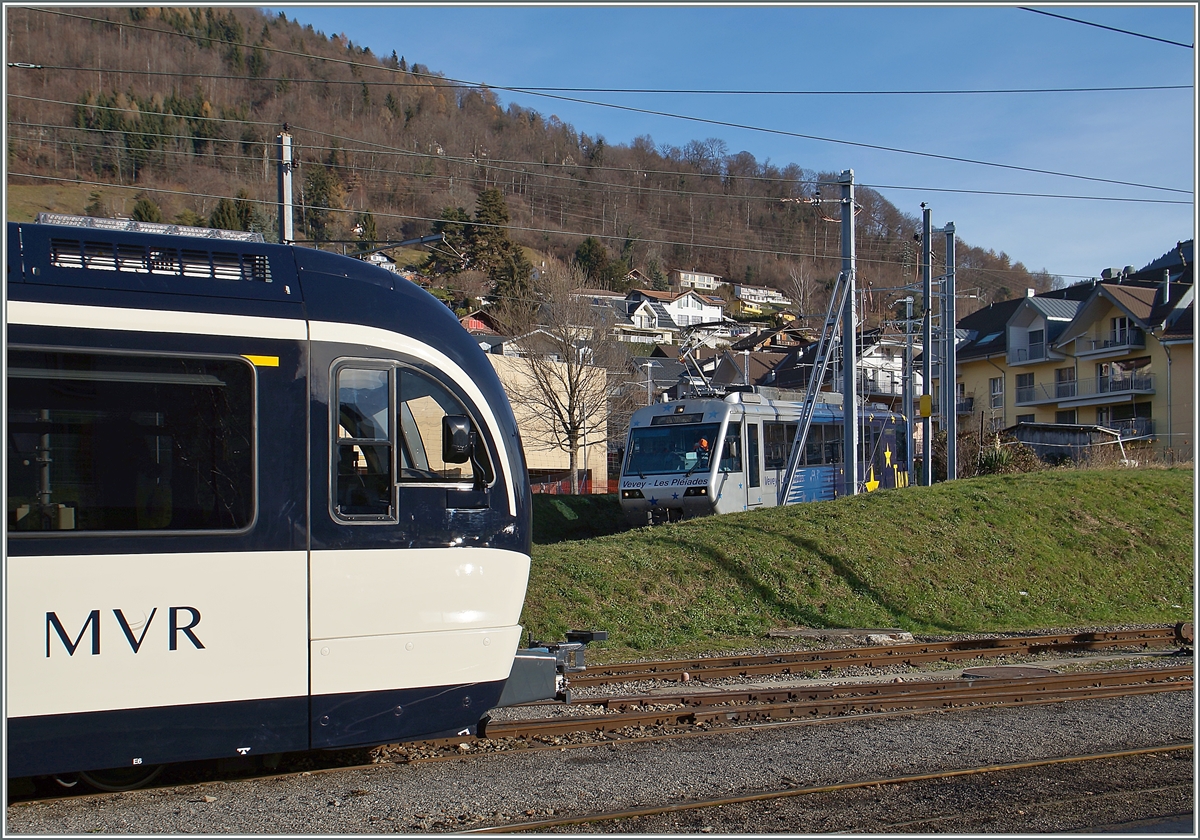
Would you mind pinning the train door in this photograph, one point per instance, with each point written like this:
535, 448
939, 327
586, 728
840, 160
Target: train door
754, 491
413, 598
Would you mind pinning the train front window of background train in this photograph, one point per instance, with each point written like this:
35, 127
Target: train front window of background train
363, 450
423, 404
654, 450
100, 442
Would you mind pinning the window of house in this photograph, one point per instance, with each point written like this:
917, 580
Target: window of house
1064, 382
1024, 387
1037, 344
1026, 418
125, 442
996, 389
1119, 331
1067, 416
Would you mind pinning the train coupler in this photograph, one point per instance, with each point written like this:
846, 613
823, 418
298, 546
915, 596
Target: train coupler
539, 672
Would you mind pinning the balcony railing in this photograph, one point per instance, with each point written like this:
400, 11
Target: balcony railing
965, 405
1136, 427
888, 386
1035, 352
1085, 389
1112, 341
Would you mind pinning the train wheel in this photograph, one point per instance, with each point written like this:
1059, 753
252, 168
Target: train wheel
123, 778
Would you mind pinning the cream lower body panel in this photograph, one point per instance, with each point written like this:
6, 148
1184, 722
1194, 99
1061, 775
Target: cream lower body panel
239, 631
412, 660
390, 592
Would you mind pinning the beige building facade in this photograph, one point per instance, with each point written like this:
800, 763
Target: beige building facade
549, 465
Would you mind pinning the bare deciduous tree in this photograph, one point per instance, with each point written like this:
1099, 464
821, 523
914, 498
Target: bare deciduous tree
570, 366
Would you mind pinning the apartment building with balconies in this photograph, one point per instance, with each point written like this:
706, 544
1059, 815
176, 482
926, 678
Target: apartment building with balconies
1115, 353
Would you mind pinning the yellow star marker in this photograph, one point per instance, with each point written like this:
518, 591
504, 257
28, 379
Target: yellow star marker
871, 483
887, 455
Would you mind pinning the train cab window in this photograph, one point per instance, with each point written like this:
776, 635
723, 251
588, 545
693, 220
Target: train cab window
731, 453
389, 433
115, 442
424, 403
363, 449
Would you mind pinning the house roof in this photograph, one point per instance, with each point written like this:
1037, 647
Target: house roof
731, 369
1054, 309
665, 297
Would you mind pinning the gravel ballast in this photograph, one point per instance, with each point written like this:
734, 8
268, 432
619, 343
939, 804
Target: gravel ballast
475, 791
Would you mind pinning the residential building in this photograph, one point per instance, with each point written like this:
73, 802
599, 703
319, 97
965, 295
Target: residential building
687, 308
549, 464
1115, 352
760, 296
681, 279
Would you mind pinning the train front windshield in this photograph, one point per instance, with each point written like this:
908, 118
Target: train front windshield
660, 449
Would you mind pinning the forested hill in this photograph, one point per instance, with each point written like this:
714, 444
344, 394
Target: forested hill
183, 106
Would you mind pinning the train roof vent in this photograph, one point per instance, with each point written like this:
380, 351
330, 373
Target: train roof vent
146, 227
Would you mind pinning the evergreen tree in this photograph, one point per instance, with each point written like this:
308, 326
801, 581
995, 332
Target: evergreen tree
658, 280
225, 216
492, 252
323, 193
449, 256
145, 210
189, 218
591, 258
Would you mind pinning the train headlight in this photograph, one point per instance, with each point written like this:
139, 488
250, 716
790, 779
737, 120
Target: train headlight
696, 491
632, 494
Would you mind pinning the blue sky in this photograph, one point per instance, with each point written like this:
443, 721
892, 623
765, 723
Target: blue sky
1139, 137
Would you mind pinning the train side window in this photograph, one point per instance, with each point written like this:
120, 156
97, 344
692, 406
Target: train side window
813, 445
423, 403
777, 444
120, 442
362, 451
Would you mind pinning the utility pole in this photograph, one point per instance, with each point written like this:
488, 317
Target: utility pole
284, 145
950, 359
849, 351
926, 346
909, 385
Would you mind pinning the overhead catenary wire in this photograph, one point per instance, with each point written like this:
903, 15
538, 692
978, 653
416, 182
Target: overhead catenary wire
674, 91
652, 112
500, 163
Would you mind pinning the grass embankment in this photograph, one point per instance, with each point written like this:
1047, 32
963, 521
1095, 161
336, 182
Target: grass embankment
1051, 549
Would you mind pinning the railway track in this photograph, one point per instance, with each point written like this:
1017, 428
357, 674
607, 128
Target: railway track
879, 656
715, 708
621, 820
668, 714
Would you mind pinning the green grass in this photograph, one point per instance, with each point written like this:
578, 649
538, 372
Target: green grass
1051, 549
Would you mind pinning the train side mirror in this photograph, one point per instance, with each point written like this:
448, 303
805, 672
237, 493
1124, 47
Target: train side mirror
457, 439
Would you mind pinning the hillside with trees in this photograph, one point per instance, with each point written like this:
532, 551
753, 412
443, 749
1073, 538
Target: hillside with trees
172, 114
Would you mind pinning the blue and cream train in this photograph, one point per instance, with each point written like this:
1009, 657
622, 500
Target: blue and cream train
693, 457
260, 499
